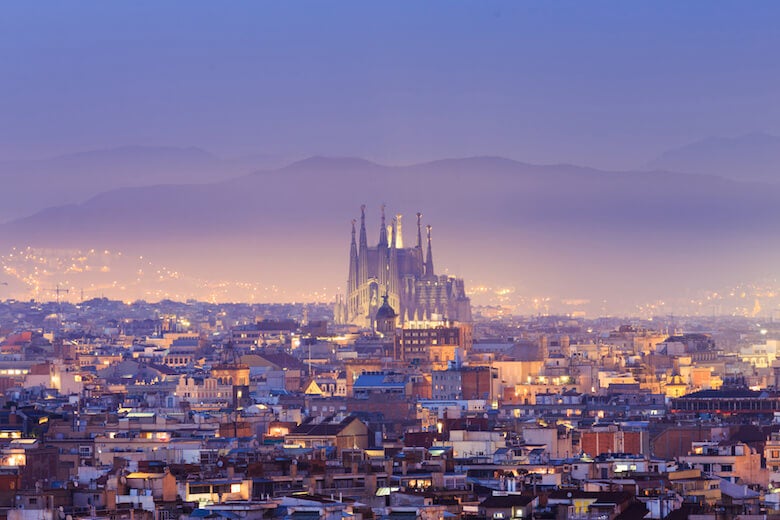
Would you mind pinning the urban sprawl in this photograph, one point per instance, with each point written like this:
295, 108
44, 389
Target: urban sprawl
398, 401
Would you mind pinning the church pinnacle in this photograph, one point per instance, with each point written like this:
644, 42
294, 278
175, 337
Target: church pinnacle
383, 230
419, 230
363, 250
429, 257
399, 239
353, 261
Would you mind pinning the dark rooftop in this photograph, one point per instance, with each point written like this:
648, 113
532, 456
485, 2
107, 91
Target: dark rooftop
509, 500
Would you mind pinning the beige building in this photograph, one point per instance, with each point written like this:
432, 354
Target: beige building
735, 461
324, 432
772, 456
203, 390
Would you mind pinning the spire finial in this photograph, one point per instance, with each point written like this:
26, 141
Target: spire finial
419, 230
383, 230
363, 239
429, 257
399, 239
353, 229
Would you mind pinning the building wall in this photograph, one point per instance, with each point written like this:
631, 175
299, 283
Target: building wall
676, 441
477, 383
558, 447
511, 373
355, 435
596, 443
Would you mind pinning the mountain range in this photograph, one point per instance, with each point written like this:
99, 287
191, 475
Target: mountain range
563, 230
749, 157
33, 185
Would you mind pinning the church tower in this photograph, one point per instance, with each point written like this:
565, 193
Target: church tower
383, 258
429, 274
385, 319
401, 277
352, 278
418, 247
393, 283
363, 251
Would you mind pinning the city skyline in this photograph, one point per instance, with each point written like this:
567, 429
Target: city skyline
600, 153
394, 260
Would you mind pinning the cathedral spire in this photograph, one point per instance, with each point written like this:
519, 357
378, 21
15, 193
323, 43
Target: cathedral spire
363, 249
363, 239
353, 261
383, 230
382, 253
393, 236
393, 282
418, 251
399, 239
429, 257
419, 230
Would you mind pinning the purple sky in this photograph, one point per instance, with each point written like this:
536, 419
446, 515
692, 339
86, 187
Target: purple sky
606, 84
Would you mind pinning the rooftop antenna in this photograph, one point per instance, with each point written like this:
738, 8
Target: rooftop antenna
57, 290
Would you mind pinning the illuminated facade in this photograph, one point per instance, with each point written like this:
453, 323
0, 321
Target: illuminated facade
405, 274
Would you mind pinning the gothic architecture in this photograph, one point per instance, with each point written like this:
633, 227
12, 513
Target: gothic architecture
404, 274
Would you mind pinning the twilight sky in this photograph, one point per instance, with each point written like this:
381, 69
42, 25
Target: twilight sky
605, 84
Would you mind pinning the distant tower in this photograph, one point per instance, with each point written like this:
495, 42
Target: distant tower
385, 319
544, 348
383, 255
231, 371
363, 251
352, 278
399, 235
429, 257
419, 240
393, 282
565, 346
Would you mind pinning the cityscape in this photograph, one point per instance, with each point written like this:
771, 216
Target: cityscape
389, 261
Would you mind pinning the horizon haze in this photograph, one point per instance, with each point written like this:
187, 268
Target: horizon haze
601, 158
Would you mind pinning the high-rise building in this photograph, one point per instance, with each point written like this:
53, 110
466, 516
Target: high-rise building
404, 274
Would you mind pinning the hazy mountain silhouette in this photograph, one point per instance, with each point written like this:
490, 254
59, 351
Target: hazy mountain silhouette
754, 157
32, 185
557, 228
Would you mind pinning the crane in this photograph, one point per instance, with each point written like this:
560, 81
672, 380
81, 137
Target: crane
57, 290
